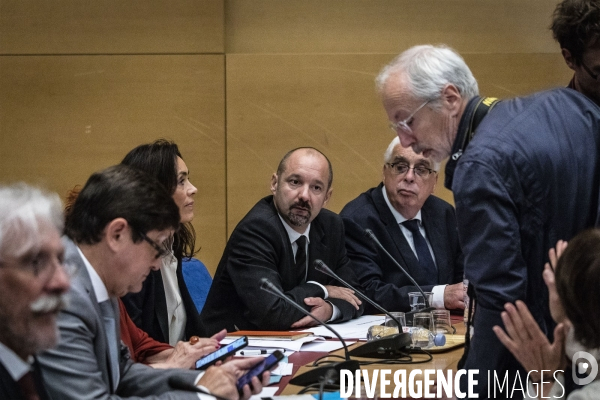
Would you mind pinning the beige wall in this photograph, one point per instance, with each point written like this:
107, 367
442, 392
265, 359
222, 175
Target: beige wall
236, 84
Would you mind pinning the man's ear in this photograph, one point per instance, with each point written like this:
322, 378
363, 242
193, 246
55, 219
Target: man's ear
451, 99
274, 182
434, 182
115, 232
328, 195
569, 60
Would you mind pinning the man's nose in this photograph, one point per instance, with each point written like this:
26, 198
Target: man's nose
410, 175
406, 139
303, 194
60, 281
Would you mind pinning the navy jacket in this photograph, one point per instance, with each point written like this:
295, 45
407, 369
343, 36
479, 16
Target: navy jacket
529, 177
259, 247
382, 280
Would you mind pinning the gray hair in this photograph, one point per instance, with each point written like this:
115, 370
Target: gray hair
22, 209
389, 152
428, 69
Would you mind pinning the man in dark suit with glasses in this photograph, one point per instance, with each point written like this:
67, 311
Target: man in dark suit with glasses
417, 228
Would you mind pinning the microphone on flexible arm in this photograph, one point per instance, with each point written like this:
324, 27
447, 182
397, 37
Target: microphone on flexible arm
318, 373
409, 315
386, 347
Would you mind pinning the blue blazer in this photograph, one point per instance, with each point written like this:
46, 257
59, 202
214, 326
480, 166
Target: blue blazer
382, 280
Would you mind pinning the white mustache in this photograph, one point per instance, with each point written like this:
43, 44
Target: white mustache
49, 303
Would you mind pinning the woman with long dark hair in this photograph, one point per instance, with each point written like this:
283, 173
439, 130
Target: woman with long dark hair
164, 308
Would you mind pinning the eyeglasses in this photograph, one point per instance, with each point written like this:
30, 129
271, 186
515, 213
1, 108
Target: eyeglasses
160, 251
42, 266
402, 168
403, 125
589, 71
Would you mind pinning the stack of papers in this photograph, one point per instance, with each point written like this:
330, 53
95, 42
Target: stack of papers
353, 329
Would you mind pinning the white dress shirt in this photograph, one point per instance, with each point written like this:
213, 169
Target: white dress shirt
293, 236
175, 309
438, 290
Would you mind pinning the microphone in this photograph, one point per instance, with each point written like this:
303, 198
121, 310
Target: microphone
317, 374
179, 382
409, 315
386, 347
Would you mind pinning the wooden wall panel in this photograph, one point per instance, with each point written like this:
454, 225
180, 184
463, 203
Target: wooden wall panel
64, 117
387, 26
111, 26
297, 73
276, 102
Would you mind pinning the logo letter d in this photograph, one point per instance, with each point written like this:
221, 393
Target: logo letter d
582, 366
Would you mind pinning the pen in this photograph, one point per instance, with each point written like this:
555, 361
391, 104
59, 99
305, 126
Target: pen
258, 352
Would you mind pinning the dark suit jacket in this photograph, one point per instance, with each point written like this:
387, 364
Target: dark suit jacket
260, 247
382, 280
148, 308
9, 389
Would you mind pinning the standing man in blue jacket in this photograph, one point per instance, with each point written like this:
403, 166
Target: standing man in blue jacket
524, 172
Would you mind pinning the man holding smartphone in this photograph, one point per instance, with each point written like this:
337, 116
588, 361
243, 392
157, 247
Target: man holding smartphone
279, 239
115, 233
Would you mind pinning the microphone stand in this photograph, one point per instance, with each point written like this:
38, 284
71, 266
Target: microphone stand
369, 233
386, 347
318, 373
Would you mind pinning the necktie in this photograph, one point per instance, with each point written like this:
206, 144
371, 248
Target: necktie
108, 315
27, 386
301, 259
423, 253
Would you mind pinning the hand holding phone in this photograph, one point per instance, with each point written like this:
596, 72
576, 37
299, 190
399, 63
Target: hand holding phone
267, 364
222, 353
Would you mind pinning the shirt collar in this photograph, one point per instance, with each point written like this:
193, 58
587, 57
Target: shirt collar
97, 284
397, 216
15, 365
292, 234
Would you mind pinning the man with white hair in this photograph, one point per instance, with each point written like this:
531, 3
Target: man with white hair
415, 227
32, 284
524, 173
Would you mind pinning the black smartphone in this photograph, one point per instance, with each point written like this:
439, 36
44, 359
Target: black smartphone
222, 353
265, 365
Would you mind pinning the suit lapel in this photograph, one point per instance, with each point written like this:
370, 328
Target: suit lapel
407, 258
287, 269
160, 304
8, 387
39, 380
436, 240
397, 237
316, 249
83, 280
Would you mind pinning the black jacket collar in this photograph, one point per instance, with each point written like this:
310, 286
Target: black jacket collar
475, 111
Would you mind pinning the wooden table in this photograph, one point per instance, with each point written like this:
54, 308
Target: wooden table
442, 361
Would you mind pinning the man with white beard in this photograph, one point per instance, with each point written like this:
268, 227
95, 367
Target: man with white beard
33, 282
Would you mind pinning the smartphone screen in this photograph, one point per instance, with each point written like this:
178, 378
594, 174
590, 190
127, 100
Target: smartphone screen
265, 365
222, 353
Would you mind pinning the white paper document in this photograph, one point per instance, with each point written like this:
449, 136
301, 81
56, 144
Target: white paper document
283, 369
266, 392
325, 346
293, 345
353, 329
